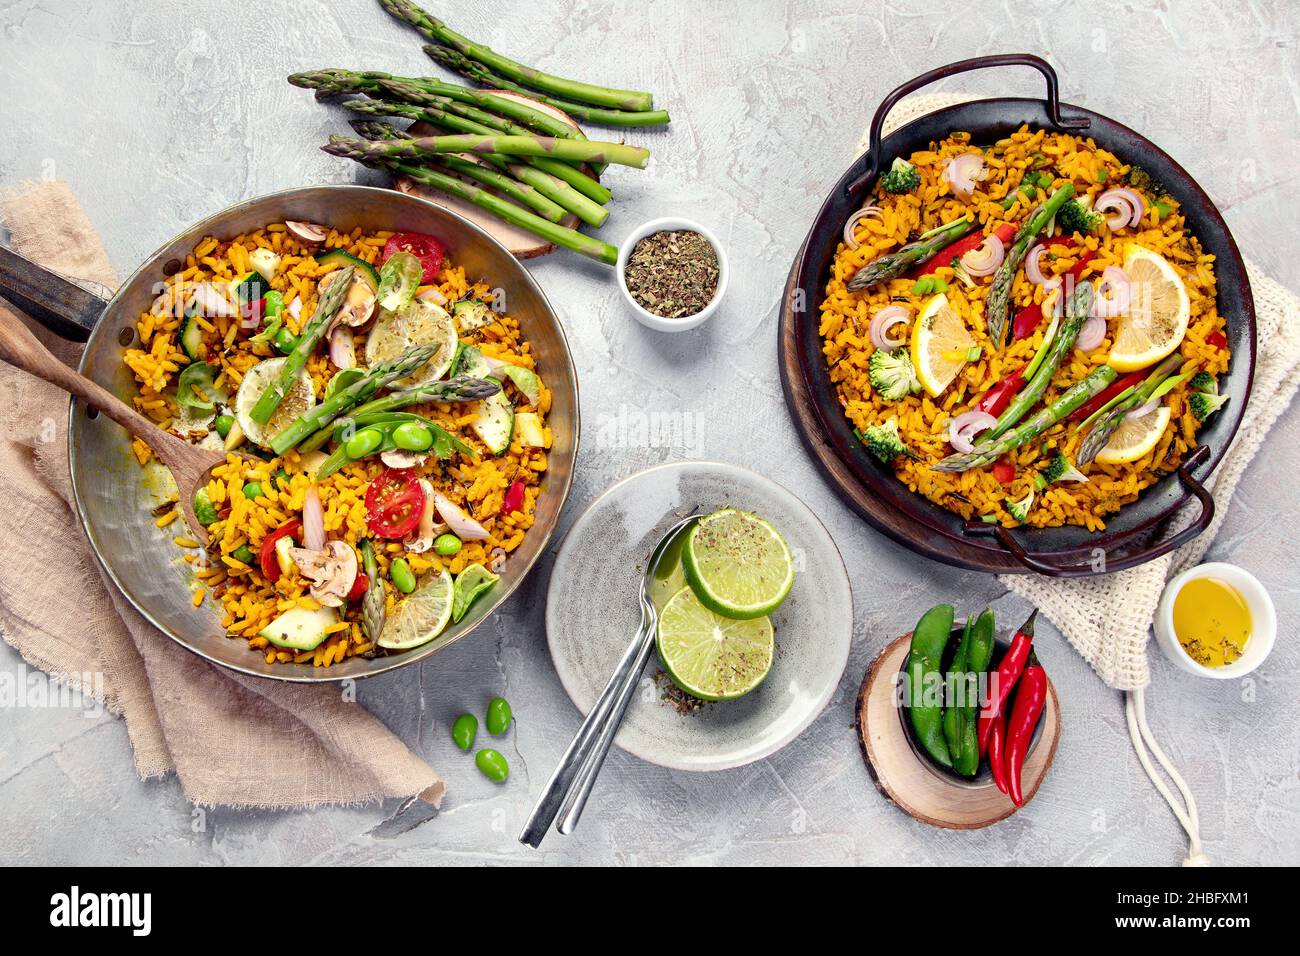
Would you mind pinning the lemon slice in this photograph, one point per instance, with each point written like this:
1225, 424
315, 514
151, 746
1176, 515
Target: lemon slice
420, 616
300, 397
940, 343
710, 656
1157, 317
420, 323
1135, 438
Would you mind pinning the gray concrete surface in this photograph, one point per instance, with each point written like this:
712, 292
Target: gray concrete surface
161, 112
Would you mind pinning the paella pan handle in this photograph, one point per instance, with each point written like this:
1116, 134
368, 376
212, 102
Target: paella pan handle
952, 69
62, 306
1194, 487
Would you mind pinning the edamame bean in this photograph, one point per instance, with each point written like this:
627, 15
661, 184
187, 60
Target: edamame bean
284, 341
223, 423
464, 730
493, 765
412, 436
244, 553
402, 576
252, 489
446, 544
363, 442
498, 716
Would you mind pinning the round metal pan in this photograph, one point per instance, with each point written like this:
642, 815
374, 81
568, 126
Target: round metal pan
1139, 532
114, 500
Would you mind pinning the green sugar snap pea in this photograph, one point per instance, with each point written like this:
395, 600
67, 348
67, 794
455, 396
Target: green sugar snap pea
464, 730
498, 716
493, 765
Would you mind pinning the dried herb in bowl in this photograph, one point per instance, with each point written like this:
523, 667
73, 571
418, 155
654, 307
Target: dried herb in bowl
672, 274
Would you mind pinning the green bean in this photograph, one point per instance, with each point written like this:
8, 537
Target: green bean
498, 716
412, 436
464, 730
402, 576
446, 545
363, 442
252, 490
493, 765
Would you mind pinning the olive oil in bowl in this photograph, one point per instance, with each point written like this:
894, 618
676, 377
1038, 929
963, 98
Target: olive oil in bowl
1212, 621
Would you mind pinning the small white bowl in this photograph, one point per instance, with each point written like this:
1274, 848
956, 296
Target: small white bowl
648, 318
1263, 621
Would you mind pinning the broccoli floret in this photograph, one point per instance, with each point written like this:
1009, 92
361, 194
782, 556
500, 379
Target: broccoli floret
1020, 509
1139, 178
901, 178
891, 374
1074, 216
1204, 382
1203, 404
883, 441
1060, 469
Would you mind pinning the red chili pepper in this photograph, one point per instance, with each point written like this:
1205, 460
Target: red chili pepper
424, 247
955, 250
997, 756
359, 586
1026, 322
1115, 387
1031, 698
1217, 339
394, 503
1003, 679
1004, 471
514, 499
270, 566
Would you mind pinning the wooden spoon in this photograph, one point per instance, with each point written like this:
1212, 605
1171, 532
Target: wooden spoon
188, 464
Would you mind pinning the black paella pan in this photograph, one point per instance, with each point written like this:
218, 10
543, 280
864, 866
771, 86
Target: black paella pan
1142, 530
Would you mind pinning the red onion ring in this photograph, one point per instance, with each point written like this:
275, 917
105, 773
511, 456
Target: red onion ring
1143, 410
866, 212
313, 520
1034, 272
963, 172
963, 429
883, 321
1125, 203
433, 295
1092, 334
1114, 293
985, 258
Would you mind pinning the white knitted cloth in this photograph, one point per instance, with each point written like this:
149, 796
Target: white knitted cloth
1107, 618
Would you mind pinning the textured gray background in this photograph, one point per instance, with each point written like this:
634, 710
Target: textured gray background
162, 112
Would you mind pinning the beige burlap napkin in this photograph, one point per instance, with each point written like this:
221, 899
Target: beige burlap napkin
231, 740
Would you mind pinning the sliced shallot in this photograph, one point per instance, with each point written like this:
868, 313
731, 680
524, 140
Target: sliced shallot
1092, 334
963, 429
866, 212
461, 524
1143, 410
313, 520
433, 295
883, 321
963, 172
1126, 204
985, 258
343, 349
1114, 293
1034, 272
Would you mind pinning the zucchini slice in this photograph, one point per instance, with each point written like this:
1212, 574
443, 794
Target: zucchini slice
192, 337
299, 629
365, 271
472, 314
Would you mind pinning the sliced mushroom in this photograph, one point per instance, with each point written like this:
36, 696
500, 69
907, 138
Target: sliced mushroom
358, 305
332, 572
401, 458
307, 231
422, 538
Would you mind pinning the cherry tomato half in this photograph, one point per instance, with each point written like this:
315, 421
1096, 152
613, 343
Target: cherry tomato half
270, 566
424, 247
394, 503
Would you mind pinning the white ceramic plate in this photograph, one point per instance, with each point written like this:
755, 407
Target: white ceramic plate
591, 615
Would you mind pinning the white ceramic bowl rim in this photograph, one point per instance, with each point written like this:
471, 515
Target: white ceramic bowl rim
671, 224
1263, 631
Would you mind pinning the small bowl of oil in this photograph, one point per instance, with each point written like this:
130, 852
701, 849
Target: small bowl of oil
1216, 620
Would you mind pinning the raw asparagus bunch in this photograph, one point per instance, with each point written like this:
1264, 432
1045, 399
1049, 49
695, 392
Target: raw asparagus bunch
437, 31
580, 151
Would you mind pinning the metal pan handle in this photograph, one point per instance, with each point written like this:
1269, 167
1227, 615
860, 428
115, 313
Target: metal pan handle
952, 69
65, 308
1036, 564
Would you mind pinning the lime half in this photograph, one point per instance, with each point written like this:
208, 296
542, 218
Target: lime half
710, 656
420, 616
737, 564
470, 583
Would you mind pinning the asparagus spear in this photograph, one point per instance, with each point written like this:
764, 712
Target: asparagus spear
987, 451
577, 150
328, 306
894, 264
439, 32
1076, 312
373, 601
1107, 424
318, 416
455, 60
999, 298
451, 118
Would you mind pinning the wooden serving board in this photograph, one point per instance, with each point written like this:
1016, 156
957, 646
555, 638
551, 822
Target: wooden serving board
902, 776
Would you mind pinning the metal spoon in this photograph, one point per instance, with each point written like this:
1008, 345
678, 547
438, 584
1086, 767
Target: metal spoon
571, 783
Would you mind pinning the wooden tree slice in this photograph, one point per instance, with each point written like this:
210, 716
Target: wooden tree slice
903, 777
521, 243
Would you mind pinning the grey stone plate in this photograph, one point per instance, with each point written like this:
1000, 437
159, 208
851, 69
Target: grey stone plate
591, 615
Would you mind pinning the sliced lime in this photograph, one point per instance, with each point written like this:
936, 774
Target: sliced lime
419, 323
301, 396
710, 656
737, 564
470, 583
420, 616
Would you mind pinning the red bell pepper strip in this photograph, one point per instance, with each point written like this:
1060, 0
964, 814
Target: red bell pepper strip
514, 498
1003, 679
997, 398
359, 586
1031, 698
1026, 322
1217, 339
955, 250
1004, 471
997, 756
1115, 387
270, 566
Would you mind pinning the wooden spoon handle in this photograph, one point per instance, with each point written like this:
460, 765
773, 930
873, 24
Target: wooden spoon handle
21, 349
